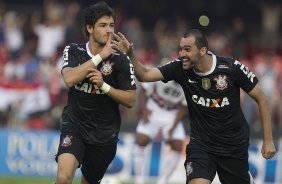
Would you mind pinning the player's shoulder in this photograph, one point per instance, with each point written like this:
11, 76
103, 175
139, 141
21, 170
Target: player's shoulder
225, 59
121, 56
225, 62
79, 47
75, 47
177, 62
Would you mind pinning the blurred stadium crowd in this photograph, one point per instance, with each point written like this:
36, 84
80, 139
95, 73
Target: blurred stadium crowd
33, 35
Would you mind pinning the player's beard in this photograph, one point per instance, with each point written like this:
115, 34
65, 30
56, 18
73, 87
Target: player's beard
101, 42
186, 63
191, 62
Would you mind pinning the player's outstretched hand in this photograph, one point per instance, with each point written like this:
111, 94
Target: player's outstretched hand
95, 77
268, 150
123, 44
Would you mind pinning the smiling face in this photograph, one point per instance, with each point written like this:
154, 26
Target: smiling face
100, 32
189, 53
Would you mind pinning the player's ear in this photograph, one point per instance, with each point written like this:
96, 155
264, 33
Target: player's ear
203, 51
90, 28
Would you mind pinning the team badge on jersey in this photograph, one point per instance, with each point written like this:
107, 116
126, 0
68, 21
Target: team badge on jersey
206, 83
221, 83
188, 168
107, 68
67, 141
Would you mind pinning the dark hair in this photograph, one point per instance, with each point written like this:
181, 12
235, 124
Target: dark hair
200, 38
95, 12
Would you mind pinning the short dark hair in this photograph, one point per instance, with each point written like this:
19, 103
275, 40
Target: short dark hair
95, 12
200, 38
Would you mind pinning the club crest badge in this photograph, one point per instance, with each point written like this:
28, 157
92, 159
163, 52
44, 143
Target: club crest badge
107, 68
188, 168
67, 141
221, 83
206, 83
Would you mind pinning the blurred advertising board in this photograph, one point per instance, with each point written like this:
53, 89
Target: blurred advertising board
32, 153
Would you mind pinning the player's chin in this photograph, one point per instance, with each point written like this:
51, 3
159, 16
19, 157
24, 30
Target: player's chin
186, 65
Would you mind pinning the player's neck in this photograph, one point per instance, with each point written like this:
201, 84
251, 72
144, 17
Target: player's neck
94, 47
204, 64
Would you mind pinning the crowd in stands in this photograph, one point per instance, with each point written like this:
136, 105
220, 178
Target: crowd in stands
32, 41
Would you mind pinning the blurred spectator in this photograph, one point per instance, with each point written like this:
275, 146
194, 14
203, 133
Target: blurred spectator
239, 38
31, 37
265, 68
51, 32
219, 43
271, 18
73, 22
13, 34
133, 29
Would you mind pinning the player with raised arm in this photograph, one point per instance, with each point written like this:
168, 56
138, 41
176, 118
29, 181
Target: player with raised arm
219, 136
99, 78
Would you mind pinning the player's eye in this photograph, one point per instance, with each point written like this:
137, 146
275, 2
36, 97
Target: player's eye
179, 49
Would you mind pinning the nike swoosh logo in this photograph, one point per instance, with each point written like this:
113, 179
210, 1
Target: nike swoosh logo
190, 81
64, 123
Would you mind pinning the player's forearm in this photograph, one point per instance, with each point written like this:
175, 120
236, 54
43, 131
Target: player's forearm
266, 120
139, 68
126, 98
143, 100
180, 114
72, 76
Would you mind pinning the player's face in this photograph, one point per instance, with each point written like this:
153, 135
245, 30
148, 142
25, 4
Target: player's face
188, 52
102, 30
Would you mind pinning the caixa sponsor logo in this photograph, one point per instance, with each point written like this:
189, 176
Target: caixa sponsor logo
210, 102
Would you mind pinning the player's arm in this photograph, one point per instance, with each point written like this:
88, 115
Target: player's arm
268, 148
143, 105
142, 73
124, 97
74, 75
182, 111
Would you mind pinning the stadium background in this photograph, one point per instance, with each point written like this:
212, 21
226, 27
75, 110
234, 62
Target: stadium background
33, 34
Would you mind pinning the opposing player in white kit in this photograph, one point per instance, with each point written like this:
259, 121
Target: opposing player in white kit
163, 108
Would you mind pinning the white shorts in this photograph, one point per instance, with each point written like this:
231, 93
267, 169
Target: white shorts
161, 123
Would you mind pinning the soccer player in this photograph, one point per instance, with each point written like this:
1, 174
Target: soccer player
163, 107
99, 78
219, 136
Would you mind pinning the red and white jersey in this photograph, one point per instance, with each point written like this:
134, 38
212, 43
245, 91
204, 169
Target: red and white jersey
163, 102
166, 96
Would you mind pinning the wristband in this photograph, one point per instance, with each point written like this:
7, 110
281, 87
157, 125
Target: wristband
105, 87
96, 59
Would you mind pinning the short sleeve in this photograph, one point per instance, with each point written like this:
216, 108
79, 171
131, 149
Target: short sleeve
244, 78
171, 70
125, 76
69, 59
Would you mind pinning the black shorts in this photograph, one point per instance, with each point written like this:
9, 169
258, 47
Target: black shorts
94, 160
200, 164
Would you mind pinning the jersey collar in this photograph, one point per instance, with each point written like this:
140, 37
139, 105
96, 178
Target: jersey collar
214, 60
88, 50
